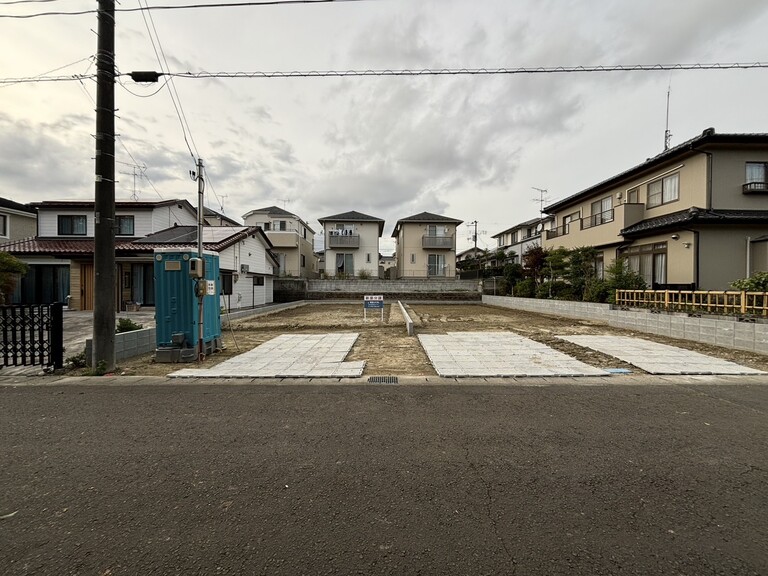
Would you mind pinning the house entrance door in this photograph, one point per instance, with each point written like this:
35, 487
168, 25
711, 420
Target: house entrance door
86, 286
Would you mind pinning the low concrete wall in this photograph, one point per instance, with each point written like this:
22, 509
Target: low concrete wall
408, 321
726, 332
287, 289
127, 344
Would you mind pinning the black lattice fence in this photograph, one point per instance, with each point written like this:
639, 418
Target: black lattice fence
32, 335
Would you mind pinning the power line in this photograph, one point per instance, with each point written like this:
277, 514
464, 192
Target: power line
179, 7
474, 71
42, 75
420, 72
12, 2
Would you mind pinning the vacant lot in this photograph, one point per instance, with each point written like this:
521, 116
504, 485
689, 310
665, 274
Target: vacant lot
389, 351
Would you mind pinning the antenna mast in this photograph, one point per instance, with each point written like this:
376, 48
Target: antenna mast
667, 133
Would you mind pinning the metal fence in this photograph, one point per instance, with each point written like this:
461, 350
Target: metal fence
32, 335
710, 302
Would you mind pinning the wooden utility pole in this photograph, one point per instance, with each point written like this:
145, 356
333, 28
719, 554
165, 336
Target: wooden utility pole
104, 204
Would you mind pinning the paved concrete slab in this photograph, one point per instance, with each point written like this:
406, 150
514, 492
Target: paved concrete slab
288, 356
498, 354
656, 358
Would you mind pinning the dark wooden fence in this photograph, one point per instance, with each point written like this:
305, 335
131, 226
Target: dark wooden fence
32, 335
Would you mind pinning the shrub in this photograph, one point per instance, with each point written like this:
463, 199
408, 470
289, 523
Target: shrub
558, 290
364, 274
77, 361
127, 325
619, 276
595, 290
525, 289
758, 282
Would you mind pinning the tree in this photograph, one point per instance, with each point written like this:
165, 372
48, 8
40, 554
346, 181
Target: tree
11, 269
534, 261
581, 270
619, 276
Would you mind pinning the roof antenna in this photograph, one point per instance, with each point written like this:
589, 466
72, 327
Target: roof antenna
667, 133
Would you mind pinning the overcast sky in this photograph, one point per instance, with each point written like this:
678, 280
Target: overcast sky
467, 147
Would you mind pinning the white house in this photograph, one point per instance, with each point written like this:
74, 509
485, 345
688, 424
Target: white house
352, 244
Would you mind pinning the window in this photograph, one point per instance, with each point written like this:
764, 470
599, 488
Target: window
124, 225
664, 191
345, 264
413, 258
3, 225
304, 232
266, 226
283, 225
514, 237
436, 264
599, 267
500, 241
756, 172
368, 258
258, 280
303, 261
601, 211
633, 196
72, 225
649, 261
435, 230
567, 221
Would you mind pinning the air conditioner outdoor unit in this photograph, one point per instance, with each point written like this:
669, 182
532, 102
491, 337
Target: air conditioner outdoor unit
244, 268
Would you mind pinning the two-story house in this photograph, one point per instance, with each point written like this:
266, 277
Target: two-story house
518, 239
694, 216
16, 220
60, 254
426, 246
292, 238
351, 244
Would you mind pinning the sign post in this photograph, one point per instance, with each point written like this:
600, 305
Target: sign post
373, 302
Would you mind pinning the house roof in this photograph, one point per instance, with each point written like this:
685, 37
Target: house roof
353, 216
525, 224
215, 238
211, 213
119, 205
696, 215
472, 250
424, 218
706, 138
11, 205
277, 212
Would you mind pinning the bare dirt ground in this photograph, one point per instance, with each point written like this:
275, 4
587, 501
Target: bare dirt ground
388, 350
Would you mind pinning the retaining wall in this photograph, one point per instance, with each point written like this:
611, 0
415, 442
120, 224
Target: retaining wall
127, 344
727, 332
292, 289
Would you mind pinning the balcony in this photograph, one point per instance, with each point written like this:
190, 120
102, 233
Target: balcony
344, 241
283, 238
596, 230
755, 187
437, 242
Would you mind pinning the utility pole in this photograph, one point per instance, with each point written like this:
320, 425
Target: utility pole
104, 202
201, 287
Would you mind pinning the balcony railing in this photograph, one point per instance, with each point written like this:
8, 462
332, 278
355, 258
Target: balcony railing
597, 219
437, 242
752, 187
557, 232
348, 241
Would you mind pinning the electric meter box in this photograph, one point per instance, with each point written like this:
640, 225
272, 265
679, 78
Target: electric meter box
176, 303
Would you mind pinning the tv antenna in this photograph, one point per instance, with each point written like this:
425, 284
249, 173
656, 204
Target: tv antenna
667, 133
542, 199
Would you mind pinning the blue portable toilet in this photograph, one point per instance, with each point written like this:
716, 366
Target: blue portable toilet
178, 276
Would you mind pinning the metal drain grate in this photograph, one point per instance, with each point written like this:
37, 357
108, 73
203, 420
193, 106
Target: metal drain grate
382, 379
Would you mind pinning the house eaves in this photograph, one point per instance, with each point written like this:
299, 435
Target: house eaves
353, 216
695, 216
424, 218
707, 138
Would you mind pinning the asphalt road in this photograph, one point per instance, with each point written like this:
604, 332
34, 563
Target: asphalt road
255, 479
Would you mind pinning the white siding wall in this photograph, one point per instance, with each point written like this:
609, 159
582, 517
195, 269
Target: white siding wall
145, 222
166, 216
251, 251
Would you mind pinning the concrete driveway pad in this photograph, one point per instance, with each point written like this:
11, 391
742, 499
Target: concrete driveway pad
656, 358
288, 356
463, 354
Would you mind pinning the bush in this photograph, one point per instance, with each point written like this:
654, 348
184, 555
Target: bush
557, 290
127, 325
758, 282
525, 289
619, 276
596, 290
364, 274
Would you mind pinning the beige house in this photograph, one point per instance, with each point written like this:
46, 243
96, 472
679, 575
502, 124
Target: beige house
351, 244
16, 220
693, 217
426, 246
292, 238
